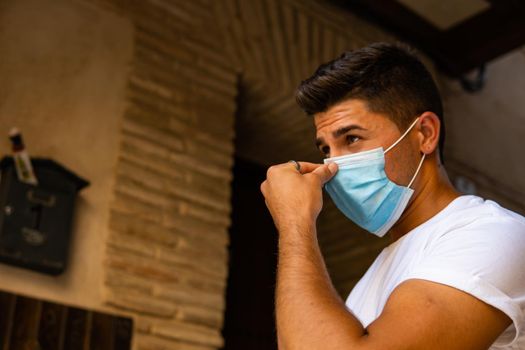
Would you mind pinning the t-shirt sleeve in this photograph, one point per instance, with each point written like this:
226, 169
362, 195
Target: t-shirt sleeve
487, 260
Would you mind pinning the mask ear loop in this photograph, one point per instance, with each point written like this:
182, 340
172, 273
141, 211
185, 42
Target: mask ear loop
422, 158
417, 171
402, 136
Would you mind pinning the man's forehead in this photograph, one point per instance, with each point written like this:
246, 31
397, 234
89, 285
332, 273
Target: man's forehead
351, 115
329, 123
351, 110
335, 120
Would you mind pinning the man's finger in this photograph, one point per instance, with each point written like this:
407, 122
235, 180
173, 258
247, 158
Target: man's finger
306, 167
325, 172
263, 187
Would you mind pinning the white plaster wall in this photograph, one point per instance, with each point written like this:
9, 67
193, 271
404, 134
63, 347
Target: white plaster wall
486, 130
63, 69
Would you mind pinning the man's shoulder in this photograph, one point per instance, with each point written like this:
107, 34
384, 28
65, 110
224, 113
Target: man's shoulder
472, 213
476, 227
482, 233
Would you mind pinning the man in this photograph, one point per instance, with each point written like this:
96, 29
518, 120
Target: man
454, 276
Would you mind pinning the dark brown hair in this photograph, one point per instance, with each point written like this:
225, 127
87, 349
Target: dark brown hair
388, 77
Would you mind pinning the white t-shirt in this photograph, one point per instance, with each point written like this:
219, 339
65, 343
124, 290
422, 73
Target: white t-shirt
473, 245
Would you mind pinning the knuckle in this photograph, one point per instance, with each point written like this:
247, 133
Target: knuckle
271, 170
263, 187
314, 179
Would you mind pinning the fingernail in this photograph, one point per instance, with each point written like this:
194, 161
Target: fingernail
332, 167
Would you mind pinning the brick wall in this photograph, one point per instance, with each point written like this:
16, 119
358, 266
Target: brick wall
167, 247
199, 70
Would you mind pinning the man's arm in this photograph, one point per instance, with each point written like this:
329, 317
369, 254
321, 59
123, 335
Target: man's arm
418, 315
309, 312
310, 315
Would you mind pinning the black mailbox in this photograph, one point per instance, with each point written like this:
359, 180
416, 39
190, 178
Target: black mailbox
35, 221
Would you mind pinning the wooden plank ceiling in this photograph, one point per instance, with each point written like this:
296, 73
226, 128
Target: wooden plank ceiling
277, 44
493, 30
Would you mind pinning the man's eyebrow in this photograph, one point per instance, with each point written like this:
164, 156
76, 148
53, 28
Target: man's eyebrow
339, 132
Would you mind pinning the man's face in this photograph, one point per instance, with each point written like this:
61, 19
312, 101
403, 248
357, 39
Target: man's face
349, 127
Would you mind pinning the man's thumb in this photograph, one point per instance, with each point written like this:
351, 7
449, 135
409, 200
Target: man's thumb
325, 172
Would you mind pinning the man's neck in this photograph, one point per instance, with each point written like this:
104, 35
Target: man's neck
435, 193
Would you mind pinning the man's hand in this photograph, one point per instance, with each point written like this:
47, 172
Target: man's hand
310, 315
294, 196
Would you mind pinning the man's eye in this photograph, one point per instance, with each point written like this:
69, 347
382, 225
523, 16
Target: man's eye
352, 138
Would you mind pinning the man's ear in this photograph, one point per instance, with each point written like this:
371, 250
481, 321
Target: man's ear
429, 129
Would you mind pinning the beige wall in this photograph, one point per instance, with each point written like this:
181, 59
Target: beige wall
63, 71
139, 97
485, 131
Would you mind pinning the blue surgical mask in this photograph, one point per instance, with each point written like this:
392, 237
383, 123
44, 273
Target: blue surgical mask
363, 192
